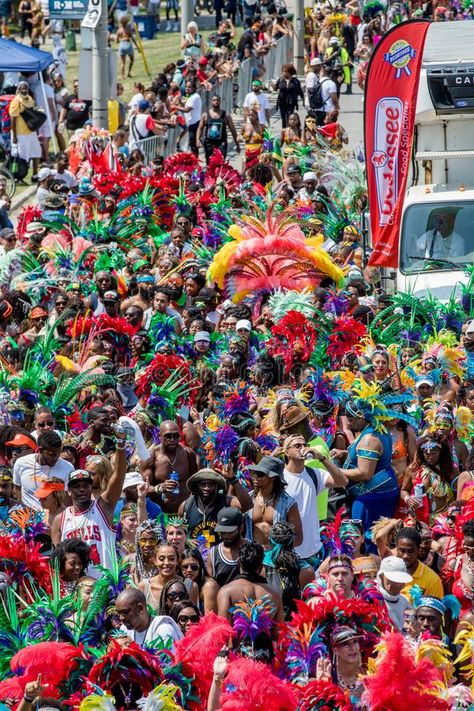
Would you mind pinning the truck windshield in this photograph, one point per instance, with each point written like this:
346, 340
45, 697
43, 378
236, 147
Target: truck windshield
437, 236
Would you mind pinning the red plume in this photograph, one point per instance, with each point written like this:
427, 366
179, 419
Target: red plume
198, 649
400, 682
180, 163
53, 660
346, 335
251, 686
324, 696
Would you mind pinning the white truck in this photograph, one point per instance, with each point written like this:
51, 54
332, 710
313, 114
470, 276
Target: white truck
437, 227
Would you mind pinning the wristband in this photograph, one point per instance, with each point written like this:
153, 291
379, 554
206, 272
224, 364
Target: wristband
28, 699
159, 489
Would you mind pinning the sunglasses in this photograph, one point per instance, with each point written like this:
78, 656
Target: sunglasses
171, 435
259, 474
50, 423
190, 566
182, 619
147, 542
177, 595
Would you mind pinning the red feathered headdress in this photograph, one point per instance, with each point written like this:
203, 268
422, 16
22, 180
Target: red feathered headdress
398, 682
131, 664
23, 562
220, 171
198, 649
347, 333
101, 324
180, 163
252, 686
159, 370
55, 661
293, 338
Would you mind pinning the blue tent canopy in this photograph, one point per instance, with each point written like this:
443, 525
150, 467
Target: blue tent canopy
16, 57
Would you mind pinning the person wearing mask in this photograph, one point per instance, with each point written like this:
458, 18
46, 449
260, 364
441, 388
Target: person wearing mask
391, 579
30, 471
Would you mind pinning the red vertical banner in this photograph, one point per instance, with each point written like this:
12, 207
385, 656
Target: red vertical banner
391, 90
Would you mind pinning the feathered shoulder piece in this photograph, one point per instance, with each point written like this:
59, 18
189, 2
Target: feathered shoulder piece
386, 681
198, 649
163, 698
377, 406
324, 695
251, 685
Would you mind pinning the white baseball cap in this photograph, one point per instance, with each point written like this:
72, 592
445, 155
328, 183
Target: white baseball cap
395, 570
132, 479
470, 327
315, 62
243, 323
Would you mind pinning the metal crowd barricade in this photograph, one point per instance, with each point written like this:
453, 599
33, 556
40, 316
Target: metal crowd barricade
244, 79
280, 54
158, 145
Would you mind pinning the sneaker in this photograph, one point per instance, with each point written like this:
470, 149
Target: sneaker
168, 27
176, 27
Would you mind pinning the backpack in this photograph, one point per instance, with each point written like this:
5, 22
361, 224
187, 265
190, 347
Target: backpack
315, 98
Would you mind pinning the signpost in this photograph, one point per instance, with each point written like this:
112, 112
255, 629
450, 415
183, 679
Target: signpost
95, 19
67, 9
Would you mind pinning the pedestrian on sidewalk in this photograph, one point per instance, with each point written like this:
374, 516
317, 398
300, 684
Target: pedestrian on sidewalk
289, 90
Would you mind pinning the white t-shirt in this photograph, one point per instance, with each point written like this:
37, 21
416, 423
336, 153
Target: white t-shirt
328, 87
301, 488
161, 626
193, 116
28, 474
66, 177
259, 102
134, 101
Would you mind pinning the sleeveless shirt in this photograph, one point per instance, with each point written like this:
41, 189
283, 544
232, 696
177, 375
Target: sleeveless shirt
92, 527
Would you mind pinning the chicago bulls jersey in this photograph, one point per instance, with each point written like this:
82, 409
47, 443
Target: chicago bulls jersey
92, 527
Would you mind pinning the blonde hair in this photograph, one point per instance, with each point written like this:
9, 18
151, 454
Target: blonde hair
103, 467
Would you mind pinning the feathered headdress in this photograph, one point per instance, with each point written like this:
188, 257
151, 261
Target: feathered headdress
268, 255
386, 682
293, 339
368, 400
323, 695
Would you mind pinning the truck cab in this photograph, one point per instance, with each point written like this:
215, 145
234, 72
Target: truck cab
437, 226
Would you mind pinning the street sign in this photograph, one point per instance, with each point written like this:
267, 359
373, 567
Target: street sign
67, 9
92, 16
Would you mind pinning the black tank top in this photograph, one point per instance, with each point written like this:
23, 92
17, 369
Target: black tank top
223, 569
198, 525
216, 133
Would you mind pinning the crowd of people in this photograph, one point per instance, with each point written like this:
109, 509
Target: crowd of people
234, 472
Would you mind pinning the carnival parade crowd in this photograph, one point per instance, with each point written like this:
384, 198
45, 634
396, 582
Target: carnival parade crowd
234, 472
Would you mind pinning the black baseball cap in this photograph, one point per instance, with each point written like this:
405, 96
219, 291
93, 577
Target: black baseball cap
79, 475
228, 519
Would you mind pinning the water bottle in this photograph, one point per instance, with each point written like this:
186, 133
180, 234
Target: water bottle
419, 492
174, 476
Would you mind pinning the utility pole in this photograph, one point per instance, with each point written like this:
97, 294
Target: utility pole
187, 14
298, 41
100, 65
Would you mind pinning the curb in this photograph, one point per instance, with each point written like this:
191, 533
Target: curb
20, 200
